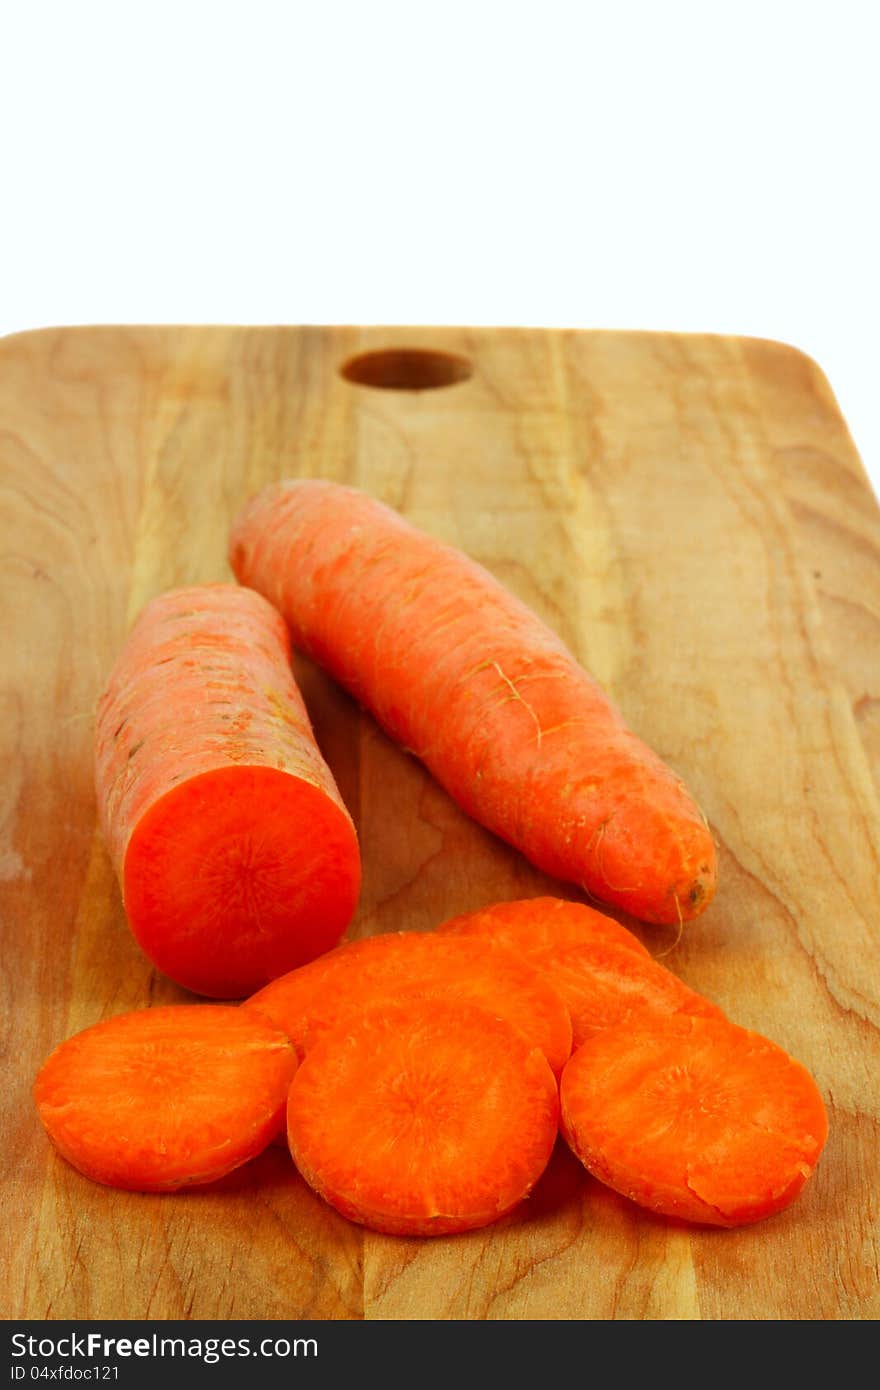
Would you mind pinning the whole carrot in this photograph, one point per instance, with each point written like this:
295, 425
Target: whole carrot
463, 674
237, 859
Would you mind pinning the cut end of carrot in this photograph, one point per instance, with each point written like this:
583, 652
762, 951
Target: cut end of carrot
237, 876
423, 1117
165, 1098
694, 1118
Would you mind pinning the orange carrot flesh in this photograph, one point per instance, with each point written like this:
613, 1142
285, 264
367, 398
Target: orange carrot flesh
237, 858
695, 1118
328, 992
602, 972
256, 867
537, 927
423, 1117
604, 984
458, 670
165, 1098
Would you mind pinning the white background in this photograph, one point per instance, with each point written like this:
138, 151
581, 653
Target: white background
675, 166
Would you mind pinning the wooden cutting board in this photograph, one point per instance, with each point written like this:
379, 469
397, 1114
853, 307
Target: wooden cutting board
690, 514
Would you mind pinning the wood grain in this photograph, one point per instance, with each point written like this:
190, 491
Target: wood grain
690, 514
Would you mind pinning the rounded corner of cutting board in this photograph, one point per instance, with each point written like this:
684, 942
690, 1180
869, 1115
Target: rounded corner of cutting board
21, 340
780, 352
19, 335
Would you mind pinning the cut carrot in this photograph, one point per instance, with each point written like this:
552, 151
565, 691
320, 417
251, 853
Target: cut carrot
694, 1118
458, 670
603, 973
423, 1117
237, 858
165, 1098
604, 984
307, 1002
537, 927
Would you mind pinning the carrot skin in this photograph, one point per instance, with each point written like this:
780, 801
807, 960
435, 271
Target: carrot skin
236, 856
459, 671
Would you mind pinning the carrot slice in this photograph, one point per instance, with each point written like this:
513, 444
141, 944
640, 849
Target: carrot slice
603, 972
423, 1117
328, 991
537, 927
237, 858
458, 670
165, 1098
694, 1118
604, 984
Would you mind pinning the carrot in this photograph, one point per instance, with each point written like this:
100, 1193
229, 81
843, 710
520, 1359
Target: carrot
602, 972
328, 992
423, 1117
462, 673
537, 927
236, 856
165, 1098
694, 1118
604, 984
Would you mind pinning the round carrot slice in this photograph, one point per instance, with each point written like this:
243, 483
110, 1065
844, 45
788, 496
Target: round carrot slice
604, 984
535, 926
163, 1098
694, 1118
423, 1117
327, 991
604, 974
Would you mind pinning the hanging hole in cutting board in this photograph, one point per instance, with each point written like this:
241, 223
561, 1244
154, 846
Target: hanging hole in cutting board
406, 369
